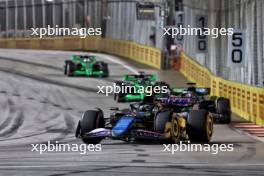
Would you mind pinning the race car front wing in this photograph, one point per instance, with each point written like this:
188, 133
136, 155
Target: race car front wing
134, 133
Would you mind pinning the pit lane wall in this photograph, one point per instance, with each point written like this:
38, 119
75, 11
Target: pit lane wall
127, 49
246, 101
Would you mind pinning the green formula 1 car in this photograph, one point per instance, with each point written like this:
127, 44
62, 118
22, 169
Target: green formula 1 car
85, 65
135, 87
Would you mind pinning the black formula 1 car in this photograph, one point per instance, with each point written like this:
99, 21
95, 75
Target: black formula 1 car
219, 107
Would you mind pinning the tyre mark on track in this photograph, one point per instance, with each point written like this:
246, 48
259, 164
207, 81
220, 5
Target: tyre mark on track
69, 128
56, 105
18, 121
138, 161
47, 129
251, 152
44, 102
139, 150
31, 63
48, 81
40, 101
3, 92
8, 120
110, 79
142, 155
25, 136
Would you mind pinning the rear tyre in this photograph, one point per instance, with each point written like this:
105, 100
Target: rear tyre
223, 108
105, 70
91, 120
208, 105
175, 130
200, 126
104, 67
120, 97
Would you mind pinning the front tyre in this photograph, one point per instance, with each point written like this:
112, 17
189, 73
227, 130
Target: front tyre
92, 119
200, 126
69, 68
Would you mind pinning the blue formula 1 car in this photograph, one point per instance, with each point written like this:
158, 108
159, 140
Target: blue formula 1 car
172, 119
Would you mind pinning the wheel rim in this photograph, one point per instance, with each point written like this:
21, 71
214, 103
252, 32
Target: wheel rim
209, 126
175, 130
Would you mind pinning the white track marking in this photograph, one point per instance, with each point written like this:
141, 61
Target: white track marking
248, 134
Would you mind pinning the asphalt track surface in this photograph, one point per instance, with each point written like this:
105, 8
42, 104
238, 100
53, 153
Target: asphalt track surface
39, 104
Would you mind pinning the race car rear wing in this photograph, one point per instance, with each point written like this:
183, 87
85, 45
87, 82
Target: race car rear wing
83, 57
200, 91
134, 77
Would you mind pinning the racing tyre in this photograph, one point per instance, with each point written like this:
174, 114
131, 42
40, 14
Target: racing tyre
223, 108
68, 68
105, 70
200, 126
91, 120
208, 105
175, 130
104, 67
160, 121
119, 96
